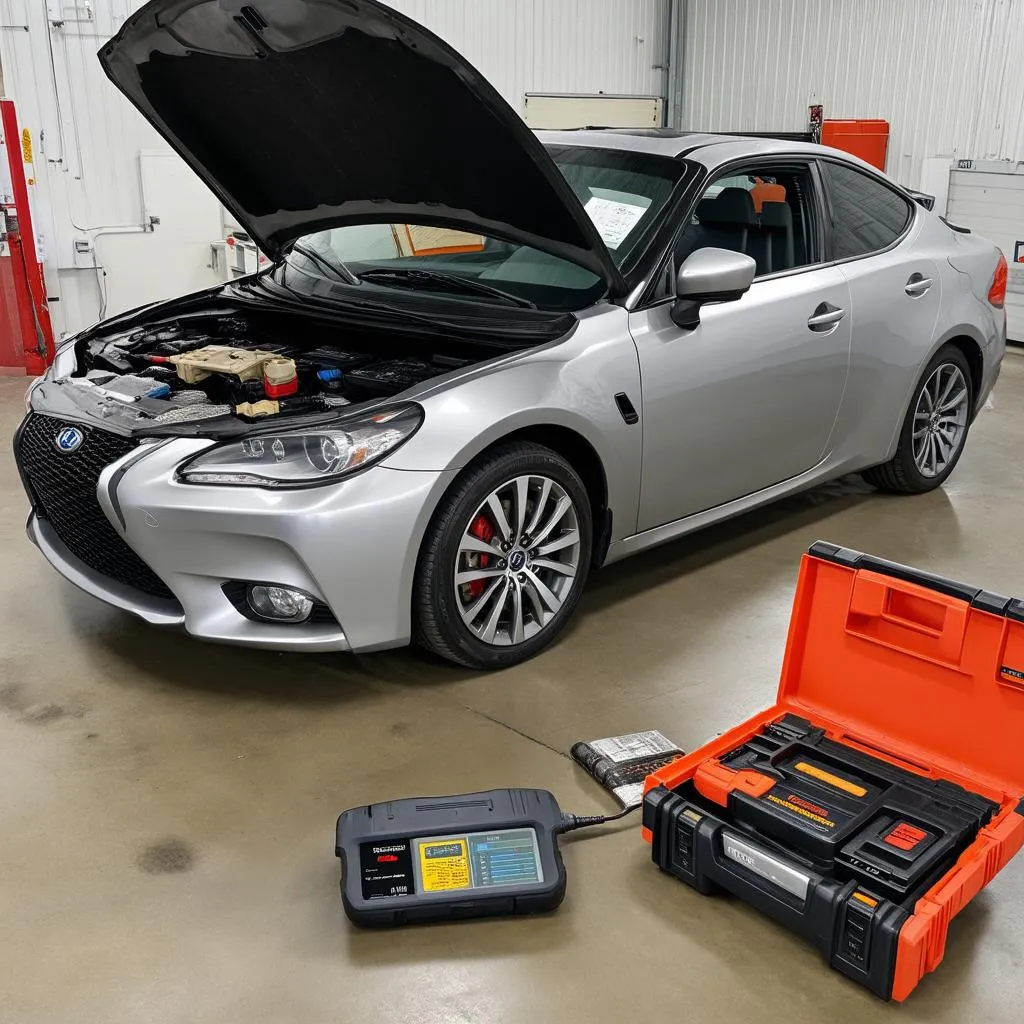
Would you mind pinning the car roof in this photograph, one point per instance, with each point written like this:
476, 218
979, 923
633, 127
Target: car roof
705, 148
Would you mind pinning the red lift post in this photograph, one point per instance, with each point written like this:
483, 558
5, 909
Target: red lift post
26, 335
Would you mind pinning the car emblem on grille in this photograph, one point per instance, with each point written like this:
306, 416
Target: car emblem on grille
69, 439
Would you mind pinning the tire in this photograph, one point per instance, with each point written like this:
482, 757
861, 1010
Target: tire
904, 473
453, 618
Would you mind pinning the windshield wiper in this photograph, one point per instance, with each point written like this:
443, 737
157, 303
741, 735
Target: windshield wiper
375, 312
402, 275
340, 271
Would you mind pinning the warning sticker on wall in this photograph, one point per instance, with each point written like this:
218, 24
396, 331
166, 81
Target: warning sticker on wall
444, 864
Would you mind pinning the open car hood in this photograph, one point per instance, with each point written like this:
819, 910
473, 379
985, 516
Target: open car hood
309, 114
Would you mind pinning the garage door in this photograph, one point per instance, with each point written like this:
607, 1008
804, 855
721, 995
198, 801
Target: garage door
991, 203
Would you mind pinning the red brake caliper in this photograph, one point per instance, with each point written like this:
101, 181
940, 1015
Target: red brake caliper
482, 529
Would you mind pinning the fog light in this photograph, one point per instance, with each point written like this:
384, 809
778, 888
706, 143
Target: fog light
279, 604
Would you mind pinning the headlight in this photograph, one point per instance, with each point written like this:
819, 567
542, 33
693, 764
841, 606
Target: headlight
64, 360
301, 458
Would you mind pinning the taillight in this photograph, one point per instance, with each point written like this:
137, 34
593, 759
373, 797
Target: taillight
997, 293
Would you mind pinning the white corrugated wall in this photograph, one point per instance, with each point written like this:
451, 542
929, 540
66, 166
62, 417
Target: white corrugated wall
948, 75
588, 46
88, 138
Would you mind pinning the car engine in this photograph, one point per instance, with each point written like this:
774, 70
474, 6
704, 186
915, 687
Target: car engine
179, 372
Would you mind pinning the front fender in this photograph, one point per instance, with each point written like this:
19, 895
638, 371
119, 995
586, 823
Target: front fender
571, 385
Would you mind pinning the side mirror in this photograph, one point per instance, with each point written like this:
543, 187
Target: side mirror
710, 275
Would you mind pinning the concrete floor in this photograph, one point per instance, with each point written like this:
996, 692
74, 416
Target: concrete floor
167, 807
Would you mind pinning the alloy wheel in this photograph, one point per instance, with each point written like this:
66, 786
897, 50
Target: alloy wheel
517, 560
940, 419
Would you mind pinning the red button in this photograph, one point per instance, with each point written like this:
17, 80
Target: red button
905, 836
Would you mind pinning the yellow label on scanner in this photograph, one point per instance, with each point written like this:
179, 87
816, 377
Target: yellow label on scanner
832, 780
444, 864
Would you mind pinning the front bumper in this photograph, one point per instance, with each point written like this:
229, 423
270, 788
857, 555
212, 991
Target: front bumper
352, 546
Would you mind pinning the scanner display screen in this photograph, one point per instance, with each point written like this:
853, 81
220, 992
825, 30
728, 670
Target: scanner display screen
432, 864
479, 860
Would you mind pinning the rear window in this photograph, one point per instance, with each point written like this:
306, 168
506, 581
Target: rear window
868, 216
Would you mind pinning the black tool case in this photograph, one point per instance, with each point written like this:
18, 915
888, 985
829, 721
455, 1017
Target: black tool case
882, 791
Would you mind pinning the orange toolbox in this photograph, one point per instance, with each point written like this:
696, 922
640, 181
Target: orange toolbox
883, 790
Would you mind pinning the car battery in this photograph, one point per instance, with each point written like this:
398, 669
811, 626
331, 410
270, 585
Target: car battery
883, 790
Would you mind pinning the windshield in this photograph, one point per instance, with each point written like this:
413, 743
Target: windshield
624, 194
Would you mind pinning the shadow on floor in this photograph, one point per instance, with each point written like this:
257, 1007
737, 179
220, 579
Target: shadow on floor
708, 545
154, 658
716, 923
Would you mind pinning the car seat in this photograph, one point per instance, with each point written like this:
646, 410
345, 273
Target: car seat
776, 229
724, 222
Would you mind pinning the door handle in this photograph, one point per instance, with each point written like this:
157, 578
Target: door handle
917, 285
825, 317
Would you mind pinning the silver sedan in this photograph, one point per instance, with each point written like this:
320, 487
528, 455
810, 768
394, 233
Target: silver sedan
482, 361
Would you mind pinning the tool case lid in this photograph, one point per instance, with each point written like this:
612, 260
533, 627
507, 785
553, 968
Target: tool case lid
909, 665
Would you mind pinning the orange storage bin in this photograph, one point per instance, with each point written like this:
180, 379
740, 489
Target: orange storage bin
867, 138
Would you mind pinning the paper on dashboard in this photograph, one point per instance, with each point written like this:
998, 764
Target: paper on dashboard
613, 220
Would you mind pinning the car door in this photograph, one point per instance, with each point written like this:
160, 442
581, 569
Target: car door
748, 397
896, 290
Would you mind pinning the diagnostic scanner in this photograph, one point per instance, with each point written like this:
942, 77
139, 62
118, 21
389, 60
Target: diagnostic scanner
452, 857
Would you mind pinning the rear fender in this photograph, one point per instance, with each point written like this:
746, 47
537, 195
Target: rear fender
963, 330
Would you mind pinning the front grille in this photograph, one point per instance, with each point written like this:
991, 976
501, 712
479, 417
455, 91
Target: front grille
62, 486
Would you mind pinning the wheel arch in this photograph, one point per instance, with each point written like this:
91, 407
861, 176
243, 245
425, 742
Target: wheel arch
892, 475
965, 338
583, 457
972, 352
578, 451
426, 623
970, 340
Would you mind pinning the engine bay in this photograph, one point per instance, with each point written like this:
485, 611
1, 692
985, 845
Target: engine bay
252, 366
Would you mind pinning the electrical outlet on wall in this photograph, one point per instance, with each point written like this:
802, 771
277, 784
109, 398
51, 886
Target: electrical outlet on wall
85, 252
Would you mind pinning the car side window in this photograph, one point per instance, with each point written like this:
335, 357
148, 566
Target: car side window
867, 216
765, 212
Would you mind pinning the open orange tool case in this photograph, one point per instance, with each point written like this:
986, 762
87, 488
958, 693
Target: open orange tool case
883, 790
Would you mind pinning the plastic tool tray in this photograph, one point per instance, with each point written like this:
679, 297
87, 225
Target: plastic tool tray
883, 790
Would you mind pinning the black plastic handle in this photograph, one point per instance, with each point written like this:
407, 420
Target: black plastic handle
974, 596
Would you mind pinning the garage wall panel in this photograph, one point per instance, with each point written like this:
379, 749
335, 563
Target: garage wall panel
88, 138
580, 46
946, 74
